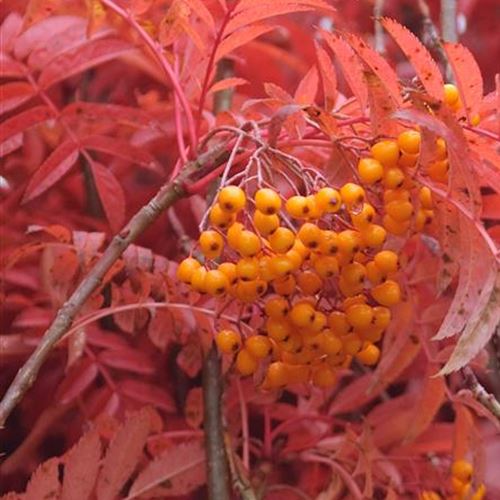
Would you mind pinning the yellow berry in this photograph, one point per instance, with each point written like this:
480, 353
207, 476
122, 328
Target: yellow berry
319, 322
246, 364
220, 218
198, 280
233, 234
278, 329
370, 170
186, 269
324, 376
309, 282
423, 218
438, 170
396, 195
374, 274
386, 152
297, 207
462, 470
328, 200
231, 199
387, 261
277, 307
329, 242
349, 241
326, 266
211, 244
359, 316
394, 227
441, 149
451, 94
267, 201
329, 343
373, 235
282, 240
363, 217
369, 354
394, 178
295, 258
314, 210
351, 343
479, 493
337, 320
265, 224
381, 316
387, 294
407, 161
276, 376
229, 269
425, 197
259, 346
247, 269
265, 268
216, 283
298, 374
475, 119
281, 266
353, 273
409, 142
228, 341
302, 314
310, 235
352, 194
248, 243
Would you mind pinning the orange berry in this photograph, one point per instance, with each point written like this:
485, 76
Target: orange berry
349, 289
323, 376
409, 142
319, 322
277, 307
351, 343
233, 234
372, 334
353, 273
394, 178
386, 152
246, 364
451, 94
278, 329
259, 346
374, 273
311, 341
328, 200
374, 235
276, 375
370, 170
329, 242
248, 243
293, 343
295, 259
247, 269
285, 286
337, 321
282, 240
229, 269
425, 197
350, 301
462, 470
310, 235
400, 211
228, 341
387, 261
231, 199
475, 119
329, 343
423, 218
309, 282
265, 224
301, 249
315, 211
394, 227
369, 354
352, 194
441, 149
438, 170
362, 218
429, 495
302, 314
281, 266
387, 293
326, 266
247, 291
265, 268
298, 374
396, 195
219, 218
211, 244
479, 493
216, 283
381, 316
407, 161
297, 207
198, 280
267, 201
461, 488
186, 269
349, 241
359, 316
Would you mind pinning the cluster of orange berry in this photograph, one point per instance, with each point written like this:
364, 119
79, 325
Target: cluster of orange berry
461, 484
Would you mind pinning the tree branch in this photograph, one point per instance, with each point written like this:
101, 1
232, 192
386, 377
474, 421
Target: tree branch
480, 393
166, 196
378, 12
217, 464
449, 20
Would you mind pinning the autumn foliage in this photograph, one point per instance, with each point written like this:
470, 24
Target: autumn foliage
328, 228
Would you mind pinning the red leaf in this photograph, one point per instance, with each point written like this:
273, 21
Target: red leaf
11, 68
193, 409
328, 77
111, 195
227, 83
426, 68
189, 358
79, 377
81, 466
109, 340
9, 31
127, 359
123, 455
178, 471
468, 76
351, 67
199, 8
381, 104
44, 482
161, 328
11, 144
80, 59
23, 121
241, 37
120, 149
52, 169
307, 87
13, 94
147, 394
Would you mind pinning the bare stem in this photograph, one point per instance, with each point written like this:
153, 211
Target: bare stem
166, 196
480, 393
449, 20
217, 464
378, 12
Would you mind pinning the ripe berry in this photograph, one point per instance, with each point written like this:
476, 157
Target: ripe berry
276, 375
462, 470
475, 119
369, 354
281, 266
229, 269
425, 197
246, 364
265, 270
228, 341
298, 374
220, 218
396, 195
438, 170
323, 376
295, 259
409, 142
387, 293
277, 307
352, 194
247, 291
293, 343
349, 241
186, 269
337, 320
373, 235
461, 489
350, 301
267, 201
394, 178
372, 334
216, 283
265, 224
370, 170
328, 200
259, 346
297, 207
247, 269
284, 286
353, 273
278, 329
363, 217
349, 289
479, 493
282, 240
359, 316
394, 227
301, 249
233, 234
386, 261
441, 152
423, 218
319, 322
310, 235
407, 161
314, 210
351, 343
329, 343
381, 316
211, 244
329, 242
374, 273
231, 199
309, 282
451, 94
302, 314
429, 495
386, 152
198, 280
400, 211
326, 266
248, 243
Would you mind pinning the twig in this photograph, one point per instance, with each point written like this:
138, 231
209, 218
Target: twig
378, 12
449, 20
217, 464
480, 393
434, 39
166, 196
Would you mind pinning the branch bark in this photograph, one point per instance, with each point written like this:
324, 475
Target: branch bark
166, 196
378, 12
480, 393
449, 20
